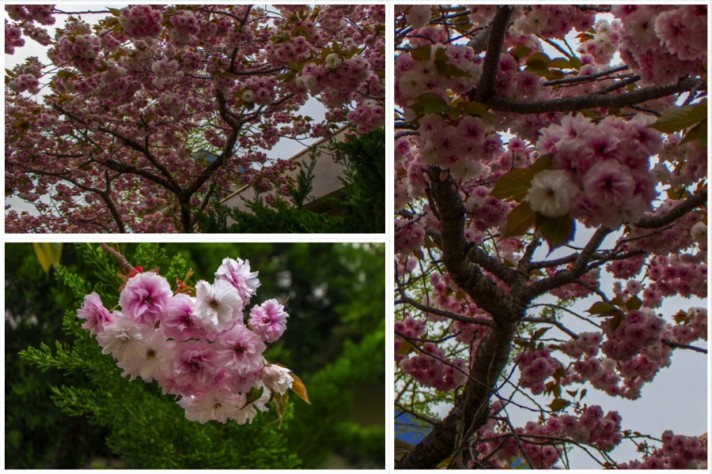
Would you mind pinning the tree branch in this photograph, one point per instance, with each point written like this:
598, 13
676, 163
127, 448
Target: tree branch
589, 78
469, 278
570, 104
578, 268
679, 345
651, 222
497, 30
446, 314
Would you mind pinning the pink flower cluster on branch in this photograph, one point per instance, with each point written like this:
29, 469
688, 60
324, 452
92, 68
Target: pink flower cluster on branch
201, 349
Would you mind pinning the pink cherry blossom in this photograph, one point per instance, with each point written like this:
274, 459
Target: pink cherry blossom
145, 297
237, 273
241, 350
94, 313
269, 320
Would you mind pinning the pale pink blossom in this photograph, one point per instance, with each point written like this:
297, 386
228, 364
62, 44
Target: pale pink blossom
94, 313
144, 297
217, 305
551, 193
237, 273
268, 320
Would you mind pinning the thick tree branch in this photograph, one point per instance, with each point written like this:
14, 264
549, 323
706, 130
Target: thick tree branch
497, 30
652, 222
570, 104
471, 409
468, 277
121, 261
479, 257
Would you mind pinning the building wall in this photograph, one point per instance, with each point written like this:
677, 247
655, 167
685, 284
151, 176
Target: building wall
327, 174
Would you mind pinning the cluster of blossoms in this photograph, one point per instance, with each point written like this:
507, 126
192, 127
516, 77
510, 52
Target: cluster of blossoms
418, 76
677, 452
458, 148
199, 349
141, 21
433, 368
675, 274
634, 350
535, 367
637, 330
601, 171
591, 426
663, 42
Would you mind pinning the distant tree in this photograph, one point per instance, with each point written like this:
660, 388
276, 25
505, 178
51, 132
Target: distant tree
103, 139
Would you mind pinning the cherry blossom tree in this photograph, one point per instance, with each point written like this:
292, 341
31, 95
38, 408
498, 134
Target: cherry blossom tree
149, 114
550, 195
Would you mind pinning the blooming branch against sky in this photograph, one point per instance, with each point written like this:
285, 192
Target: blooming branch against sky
549, 214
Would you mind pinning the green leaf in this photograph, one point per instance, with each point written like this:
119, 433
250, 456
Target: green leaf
633, 304
538, 61
556, 230
538, 333
64, 74
558, 404
698, 132
617, 320
542, 164
575, 62
602, 308
618, 301
539, 71
448, 70
421, 53
521, 219
678, 193
520, 51
115, 11
514, 185
48, 255
560, 63
254, 395
299, 388
445, 68
680, 118
430, 103
406, 347
477, 109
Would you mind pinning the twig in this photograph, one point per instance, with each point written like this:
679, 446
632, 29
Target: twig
124, 264
679, 345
